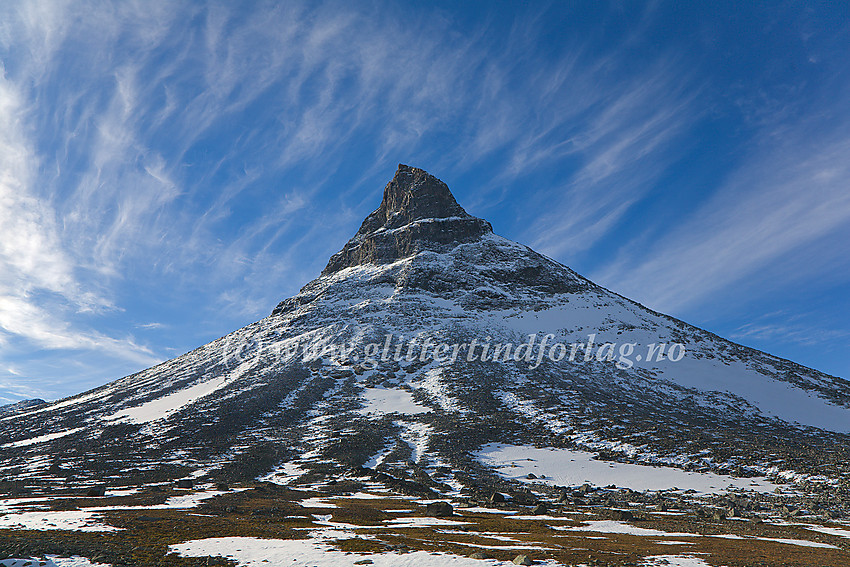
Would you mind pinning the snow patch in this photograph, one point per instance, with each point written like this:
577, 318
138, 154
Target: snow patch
254, 552
165, 406
674, 561
828, 530
73, 520
614, 527
43, 438
380, 401
566, 467
52, 561
284, 474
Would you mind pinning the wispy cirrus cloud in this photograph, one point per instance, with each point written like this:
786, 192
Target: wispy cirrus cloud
800, 334
152, 132
787, 203
184, 166
623, 147
35, 269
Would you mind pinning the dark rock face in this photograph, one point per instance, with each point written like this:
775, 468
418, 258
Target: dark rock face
413, 194
418, 212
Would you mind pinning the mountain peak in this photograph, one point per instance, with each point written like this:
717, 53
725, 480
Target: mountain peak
418, 212
413, 194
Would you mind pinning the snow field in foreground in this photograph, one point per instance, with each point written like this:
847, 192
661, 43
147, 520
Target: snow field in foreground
76, 520
253, 552
52, 561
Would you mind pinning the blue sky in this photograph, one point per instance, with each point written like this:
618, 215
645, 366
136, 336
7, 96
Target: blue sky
169, 171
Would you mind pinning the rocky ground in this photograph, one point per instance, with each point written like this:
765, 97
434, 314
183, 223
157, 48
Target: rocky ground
363, 516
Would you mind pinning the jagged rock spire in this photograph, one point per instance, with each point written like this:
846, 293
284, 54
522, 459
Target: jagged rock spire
413, 194
418, 212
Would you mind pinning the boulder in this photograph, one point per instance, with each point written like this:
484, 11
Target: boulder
522, 560
439, 509
496, 498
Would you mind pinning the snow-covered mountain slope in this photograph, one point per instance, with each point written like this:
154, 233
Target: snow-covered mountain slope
331, 379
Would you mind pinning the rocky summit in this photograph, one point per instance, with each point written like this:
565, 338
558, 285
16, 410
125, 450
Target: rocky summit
417, 213
440, 359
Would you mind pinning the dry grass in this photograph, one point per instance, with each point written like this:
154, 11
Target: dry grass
273, 512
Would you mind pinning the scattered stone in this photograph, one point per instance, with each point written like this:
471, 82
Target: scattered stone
622, 515
497, 498
439, 509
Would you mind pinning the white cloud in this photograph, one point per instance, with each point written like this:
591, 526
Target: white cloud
800, 334
622, 137
35, 269
161, 143
783, 201
172, 75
